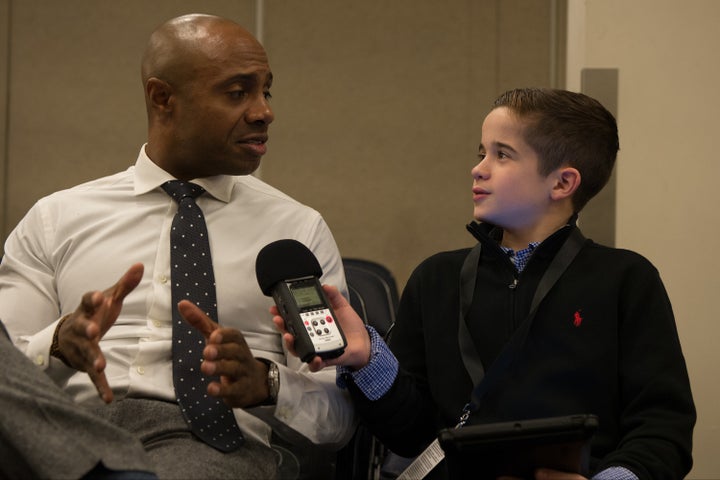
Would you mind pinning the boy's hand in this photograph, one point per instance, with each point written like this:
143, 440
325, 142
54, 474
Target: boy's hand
357, 352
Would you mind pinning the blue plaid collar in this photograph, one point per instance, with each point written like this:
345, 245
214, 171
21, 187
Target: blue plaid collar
521, 257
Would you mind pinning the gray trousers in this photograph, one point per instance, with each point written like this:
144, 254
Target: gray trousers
176, 453
44, 434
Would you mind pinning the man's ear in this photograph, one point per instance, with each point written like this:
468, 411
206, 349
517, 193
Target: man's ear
159, 94
567, 181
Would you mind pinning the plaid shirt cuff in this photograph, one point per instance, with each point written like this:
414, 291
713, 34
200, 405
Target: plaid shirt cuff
374, 379
615, 473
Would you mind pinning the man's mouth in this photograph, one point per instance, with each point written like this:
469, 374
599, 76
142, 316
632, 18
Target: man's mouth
254, 139
258, 144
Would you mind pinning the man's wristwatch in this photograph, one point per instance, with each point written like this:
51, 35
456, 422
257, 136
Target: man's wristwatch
55, 346
273, 381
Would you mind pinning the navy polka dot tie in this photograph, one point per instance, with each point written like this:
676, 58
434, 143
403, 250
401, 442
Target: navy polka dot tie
193, 279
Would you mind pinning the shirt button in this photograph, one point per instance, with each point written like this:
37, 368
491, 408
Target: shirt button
156, 323
40, 360
141, 370
163, 279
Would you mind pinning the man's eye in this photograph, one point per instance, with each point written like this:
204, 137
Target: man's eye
267, 95
236, 93
482, 155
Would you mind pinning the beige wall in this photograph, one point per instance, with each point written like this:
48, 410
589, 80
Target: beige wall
378, 104
75, 106
379, 107
667, 194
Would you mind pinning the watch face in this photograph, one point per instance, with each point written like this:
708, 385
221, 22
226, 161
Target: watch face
273, 381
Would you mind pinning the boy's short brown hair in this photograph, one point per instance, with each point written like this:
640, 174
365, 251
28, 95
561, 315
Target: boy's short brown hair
567, 129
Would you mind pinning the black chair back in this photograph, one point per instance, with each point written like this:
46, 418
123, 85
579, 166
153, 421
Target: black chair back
373, 293
374, 296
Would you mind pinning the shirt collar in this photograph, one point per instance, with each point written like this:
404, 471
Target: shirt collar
520, 258
149, 176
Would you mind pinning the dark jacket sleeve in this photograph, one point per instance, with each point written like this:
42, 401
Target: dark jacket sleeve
657, 413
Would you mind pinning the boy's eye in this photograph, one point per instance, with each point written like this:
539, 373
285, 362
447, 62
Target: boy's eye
482, 155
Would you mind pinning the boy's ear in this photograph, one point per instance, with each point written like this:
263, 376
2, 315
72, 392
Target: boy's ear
567, 181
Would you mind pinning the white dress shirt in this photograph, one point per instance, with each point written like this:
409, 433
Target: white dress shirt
84, 238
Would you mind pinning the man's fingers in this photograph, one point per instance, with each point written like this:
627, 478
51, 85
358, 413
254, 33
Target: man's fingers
103, 388
224, 390
229, 368
228, 344
96, 372
84, 354
233, 342
197, 318
90, 302
80, 334
127, 282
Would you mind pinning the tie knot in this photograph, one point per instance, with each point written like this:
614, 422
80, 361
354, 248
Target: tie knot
177, 189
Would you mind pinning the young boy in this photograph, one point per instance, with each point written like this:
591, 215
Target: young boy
602, 339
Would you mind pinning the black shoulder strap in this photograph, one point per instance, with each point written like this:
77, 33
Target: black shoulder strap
468, 275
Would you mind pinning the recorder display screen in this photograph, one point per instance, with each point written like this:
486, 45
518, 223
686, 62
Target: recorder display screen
306, 296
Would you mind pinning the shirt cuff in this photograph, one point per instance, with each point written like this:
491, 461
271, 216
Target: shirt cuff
37, 349
615, 473
374, 379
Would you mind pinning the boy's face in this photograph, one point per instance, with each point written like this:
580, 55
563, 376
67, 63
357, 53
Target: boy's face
507, 189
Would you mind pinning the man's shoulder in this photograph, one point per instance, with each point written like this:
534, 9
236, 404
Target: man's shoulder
120, 181
250, 185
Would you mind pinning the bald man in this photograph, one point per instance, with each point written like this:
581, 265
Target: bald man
207, 89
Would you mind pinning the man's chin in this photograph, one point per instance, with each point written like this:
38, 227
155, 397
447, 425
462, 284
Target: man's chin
239, 166
248, 168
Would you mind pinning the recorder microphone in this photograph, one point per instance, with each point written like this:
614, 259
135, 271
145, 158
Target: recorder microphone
289, 272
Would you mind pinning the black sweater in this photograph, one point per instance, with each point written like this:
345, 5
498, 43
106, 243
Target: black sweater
603, 341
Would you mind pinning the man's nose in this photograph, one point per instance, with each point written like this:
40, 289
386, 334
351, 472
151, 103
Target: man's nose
260, 111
